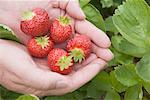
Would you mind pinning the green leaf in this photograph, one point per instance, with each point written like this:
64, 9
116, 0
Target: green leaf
116, 84
102, 80
126, 75
97, 86
144, 98
28, 97
97, 4
2, 26
8, 95
120, 58
93, 91
134, 93
7, 33
122, 45
112, 95
131, 19
70, 96
147, 86
118, 2
84, 87
84, 2
143, 68
1, 98
106, 3
94, 16
110, 26
148, 1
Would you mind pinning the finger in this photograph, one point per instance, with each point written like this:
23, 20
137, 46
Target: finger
59, 3
96, 35
85, 74
72, 7
104, 54
86, 62
54, 13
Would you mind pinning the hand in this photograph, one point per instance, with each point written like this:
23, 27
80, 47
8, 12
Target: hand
22, 73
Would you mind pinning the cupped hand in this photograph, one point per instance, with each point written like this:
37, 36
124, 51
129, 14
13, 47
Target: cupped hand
24, 74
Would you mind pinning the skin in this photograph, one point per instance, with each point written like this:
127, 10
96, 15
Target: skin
22, 73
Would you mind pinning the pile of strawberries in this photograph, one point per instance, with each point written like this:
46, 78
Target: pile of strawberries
45, 34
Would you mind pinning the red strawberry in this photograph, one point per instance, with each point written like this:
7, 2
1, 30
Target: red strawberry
60, 30
40, 46
79, 47
59, 61
35, 22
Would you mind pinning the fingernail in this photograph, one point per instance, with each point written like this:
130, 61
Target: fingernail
61, 84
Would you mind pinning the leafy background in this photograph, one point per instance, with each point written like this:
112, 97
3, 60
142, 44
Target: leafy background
127, 76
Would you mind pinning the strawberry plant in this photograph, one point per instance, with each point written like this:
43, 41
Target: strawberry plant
127, 76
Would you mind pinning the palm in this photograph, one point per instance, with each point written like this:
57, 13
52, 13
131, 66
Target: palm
39, 79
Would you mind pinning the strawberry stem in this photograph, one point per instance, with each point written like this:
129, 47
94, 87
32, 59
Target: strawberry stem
64, 20
43, 41
77, 54
65, 62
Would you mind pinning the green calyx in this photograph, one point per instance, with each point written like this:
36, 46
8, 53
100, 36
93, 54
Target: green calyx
64, 62
77, 54
43, 41
64, 20
28, 15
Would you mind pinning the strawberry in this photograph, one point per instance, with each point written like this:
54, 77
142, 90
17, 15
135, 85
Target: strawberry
60, 29
35, 22
79, 47
59, 61
40, 46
